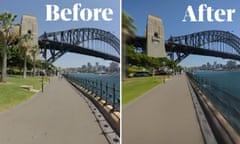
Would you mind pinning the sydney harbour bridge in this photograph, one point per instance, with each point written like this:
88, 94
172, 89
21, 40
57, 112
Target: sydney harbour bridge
215, 43
88, 41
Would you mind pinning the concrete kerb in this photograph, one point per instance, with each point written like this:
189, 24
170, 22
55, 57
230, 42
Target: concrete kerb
221, 128
206, 130
113, 117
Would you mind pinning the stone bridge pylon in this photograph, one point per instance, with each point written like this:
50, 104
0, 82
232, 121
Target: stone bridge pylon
155, 46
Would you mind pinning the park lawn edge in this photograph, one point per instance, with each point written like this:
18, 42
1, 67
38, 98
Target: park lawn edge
12, 94
139, 87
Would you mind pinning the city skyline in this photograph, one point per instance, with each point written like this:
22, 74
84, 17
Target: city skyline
94, 68
230, 64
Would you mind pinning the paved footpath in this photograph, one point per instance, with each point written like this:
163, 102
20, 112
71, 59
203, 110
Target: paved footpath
164, 115
57, 116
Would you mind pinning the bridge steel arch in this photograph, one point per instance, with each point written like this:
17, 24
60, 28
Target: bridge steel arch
192, 43
69, 41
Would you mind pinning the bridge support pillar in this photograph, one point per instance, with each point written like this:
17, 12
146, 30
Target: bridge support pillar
155, 37
29, 25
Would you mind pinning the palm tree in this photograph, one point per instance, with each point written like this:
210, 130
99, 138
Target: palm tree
128, 31
25, 47
6, 24
33, 52
128, 28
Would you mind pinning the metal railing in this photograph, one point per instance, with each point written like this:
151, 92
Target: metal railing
223, 131
106, 91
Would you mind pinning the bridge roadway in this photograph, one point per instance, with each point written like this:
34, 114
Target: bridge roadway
164, 115
57, 116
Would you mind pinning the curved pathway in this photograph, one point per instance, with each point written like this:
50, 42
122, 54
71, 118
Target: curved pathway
57, 116
164, 115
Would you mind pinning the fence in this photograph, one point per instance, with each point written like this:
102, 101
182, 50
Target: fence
106, 91
222, 129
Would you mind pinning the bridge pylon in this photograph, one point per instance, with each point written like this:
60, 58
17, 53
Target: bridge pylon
29, 25
155, 37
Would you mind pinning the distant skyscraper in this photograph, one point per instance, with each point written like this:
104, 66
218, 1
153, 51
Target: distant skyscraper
155, 37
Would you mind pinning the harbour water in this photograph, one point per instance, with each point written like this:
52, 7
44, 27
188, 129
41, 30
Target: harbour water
105, 85
223, 89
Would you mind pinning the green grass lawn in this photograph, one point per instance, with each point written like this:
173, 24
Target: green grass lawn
12, 94
135, 87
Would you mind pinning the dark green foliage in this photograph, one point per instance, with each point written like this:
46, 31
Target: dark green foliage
16, 61
139, 59
127, 25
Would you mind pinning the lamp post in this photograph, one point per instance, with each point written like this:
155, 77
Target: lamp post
44, 67
42, 80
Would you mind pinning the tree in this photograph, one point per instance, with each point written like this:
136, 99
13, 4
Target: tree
6, 24
128, 31
33, 52
128, 28
15, 58
25, 47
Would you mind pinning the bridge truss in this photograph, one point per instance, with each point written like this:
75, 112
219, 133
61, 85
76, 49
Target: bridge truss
209, 43
215, 43
87, 41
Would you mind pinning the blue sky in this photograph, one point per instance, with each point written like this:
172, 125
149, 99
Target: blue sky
172, 13
37, 8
